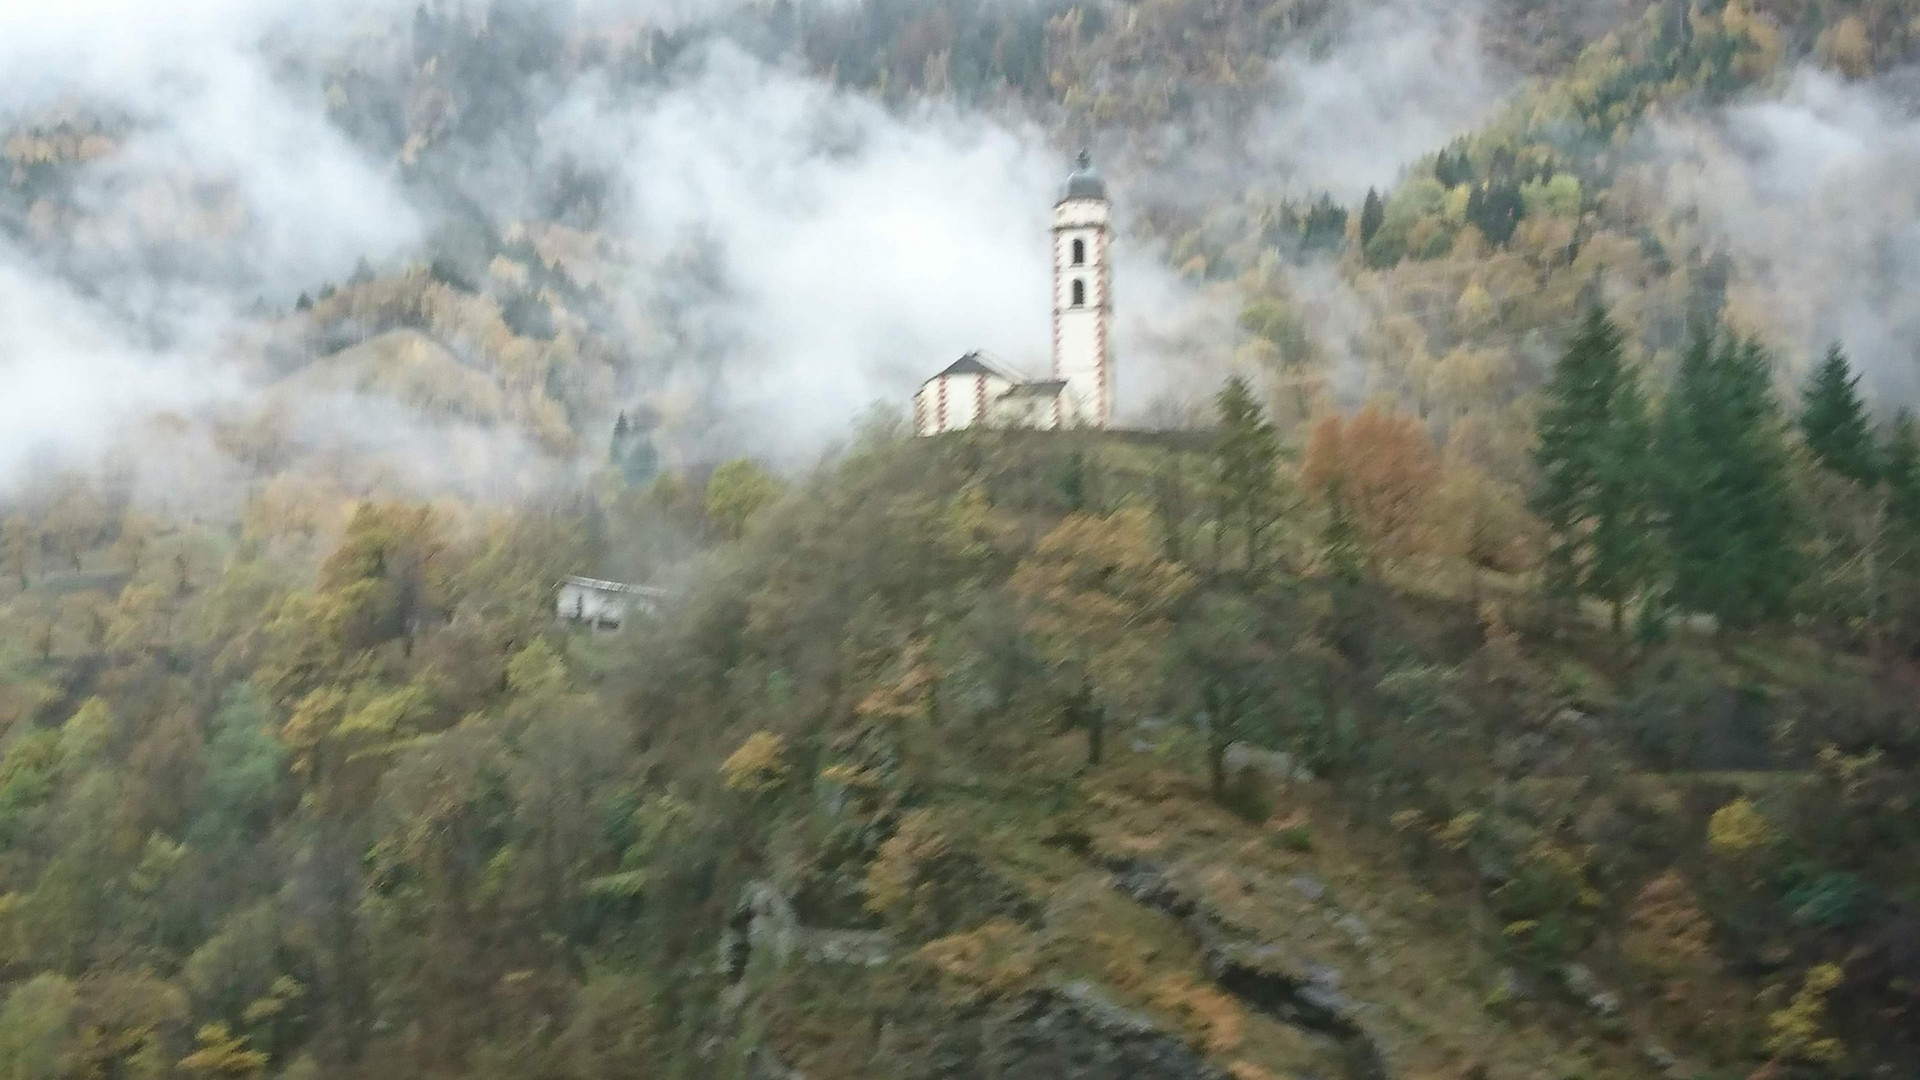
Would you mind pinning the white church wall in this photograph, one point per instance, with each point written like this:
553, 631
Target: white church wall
1029, 412
1082, 214
1082, 309
957, 402
1080, 347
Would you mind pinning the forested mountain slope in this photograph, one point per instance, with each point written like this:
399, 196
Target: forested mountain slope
1508, 674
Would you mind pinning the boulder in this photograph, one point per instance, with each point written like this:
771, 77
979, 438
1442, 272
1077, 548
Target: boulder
1274, 766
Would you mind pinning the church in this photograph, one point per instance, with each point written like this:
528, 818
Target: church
975, 392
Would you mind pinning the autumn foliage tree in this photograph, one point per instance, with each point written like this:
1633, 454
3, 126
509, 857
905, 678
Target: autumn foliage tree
384, 574
1099, 601
1382, 467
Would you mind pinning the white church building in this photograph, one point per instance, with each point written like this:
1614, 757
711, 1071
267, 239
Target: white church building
975, 392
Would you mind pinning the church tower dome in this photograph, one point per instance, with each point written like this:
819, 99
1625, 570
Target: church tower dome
1083, 298
1085, 182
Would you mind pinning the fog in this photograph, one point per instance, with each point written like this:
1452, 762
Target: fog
794, 252
1816, 195
1400, 81
852, 252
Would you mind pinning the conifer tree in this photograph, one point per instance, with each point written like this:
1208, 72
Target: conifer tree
1730, 519
1900, 524
1373, 214
1834, 421
1246, 454
1622, 559
618, 448
1900, 468
1594, 495
1340, 543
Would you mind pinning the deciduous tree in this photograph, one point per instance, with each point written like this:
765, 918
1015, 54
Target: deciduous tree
737, 491
1100, 599
1383, 466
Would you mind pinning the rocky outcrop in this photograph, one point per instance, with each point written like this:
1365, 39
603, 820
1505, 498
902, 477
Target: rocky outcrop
1060, 1033
1073, 1033
764, 923
766, 1065
1263, 977
1305, 996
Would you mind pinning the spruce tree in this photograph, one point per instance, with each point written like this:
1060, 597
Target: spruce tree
1340, 543
1900, 469
1621, 560
1723, 460
1373, 214
1834, 421
1900, 525
1594, 494
1246, 456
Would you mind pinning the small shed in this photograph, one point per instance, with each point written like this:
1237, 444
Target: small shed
605, 605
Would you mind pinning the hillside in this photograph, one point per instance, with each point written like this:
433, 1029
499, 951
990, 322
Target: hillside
836, 813
1487, 652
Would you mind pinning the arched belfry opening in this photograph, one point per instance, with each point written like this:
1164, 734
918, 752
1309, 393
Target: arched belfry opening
1079, 293
1079, 253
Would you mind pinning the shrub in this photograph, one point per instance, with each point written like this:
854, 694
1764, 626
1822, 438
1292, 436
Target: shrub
1799, 1032
1214, 1022
1738, 830
1247, 795
893, 883
1832, 901
1667, 932
993, 961
759, 766
1548, 904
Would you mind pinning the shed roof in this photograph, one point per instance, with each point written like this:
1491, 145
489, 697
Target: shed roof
598, 585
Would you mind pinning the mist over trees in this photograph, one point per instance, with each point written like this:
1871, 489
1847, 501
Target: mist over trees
1485, 648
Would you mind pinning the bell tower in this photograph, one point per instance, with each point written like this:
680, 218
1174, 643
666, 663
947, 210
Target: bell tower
1083, 298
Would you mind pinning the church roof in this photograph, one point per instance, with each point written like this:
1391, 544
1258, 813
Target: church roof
1085, 183
1041, 388
972, 364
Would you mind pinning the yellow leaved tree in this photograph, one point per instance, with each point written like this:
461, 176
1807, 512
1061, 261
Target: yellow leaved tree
1100, 601
759, 766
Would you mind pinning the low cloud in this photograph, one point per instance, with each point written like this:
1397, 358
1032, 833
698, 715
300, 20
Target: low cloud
1400, 80
72, 380
821, 252
1816, 196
